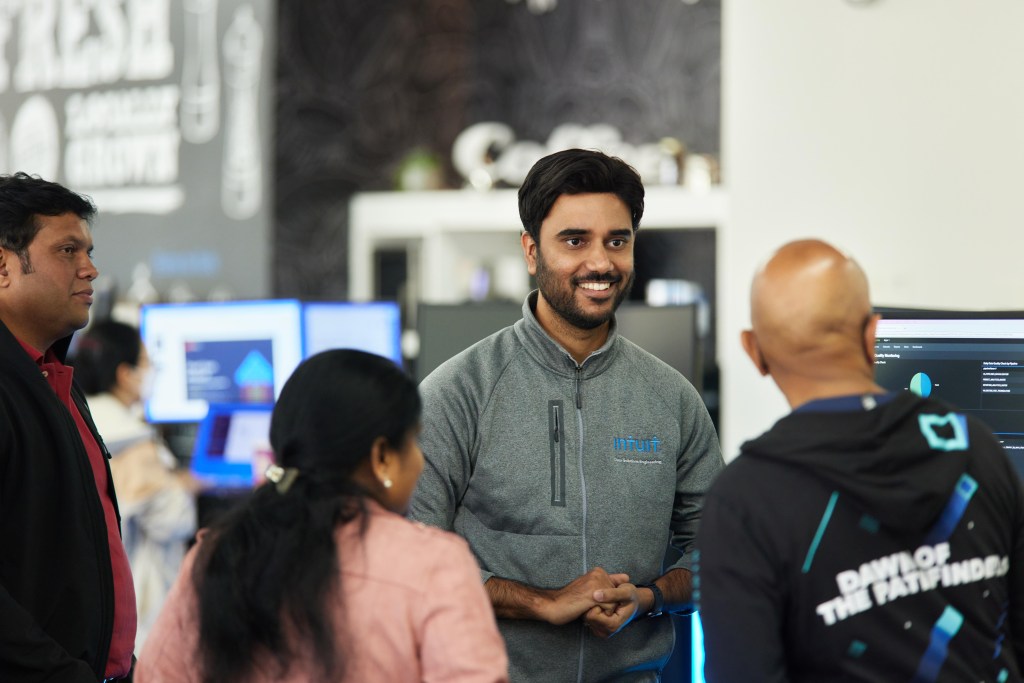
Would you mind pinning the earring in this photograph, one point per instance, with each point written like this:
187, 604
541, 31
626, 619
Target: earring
387, 483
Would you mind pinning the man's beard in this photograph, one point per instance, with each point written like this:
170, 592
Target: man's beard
562, 297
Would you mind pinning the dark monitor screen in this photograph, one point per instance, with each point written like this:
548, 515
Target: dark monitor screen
972, 360
668, 332
447, 329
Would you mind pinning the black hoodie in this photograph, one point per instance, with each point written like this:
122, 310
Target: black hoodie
875, 543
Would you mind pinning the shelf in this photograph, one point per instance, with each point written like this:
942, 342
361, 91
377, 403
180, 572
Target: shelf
446, 232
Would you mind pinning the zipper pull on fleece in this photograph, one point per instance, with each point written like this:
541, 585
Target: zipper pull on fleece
579, 397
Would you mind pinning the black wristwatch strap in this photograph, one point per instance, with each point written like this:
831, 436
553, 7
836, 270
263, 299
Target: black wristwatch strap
659, 600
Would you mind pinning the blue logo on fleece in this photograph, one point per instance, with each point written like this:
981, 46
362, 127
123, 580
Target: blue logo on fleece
958, 423
628, 443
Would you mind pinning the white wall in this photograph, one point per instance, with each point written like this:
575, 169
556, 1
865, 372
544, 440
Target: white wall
894, 130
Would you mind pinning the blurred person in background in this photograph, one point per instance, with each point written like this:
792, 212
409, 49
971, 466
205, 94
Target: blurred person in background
158, 503
318, 576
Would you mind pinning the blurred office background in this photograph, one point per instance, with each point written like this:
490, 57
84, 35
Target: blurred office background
225, 141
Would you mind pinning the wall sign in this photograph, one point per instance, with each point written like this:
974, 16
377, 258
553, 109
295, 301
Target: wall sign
160, 111
487, 153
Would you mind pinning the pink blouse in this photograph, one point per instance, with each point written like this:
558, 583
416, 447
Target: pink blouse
413, 604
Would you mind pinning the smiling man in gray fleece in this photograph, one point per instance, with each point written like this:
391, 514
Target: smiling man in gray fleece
568, 457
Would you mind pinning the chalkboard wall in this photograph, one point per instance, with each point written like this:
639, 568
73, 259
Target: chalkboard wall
362, 85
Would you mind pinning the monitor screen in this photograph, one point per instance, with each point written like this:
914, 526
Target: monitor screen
233, 445
974, 361
446, 329
668, 332
233, 352
375, 327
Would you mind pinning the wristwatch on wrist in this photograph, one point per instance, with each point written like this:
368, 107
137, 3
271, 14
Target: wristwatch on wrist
659, 600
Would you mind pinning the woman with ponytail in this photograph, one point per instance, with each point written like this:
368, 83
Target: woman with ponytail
318, 576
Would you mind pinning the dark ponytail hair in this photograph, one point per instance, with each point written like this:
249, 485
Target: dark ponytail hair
268, 570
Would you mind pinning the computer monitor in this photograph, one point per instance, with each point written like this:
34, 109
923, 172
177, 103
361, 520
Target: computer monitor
972, 360
230, 352
447, 329
232, 445
668, 332
375, 327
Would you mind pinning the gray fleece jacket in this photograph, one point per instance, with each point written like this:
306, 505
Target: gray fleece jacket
549, 469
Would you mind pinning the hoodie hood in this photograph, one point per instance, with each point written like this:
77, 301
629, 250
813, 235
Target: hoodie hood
900, 468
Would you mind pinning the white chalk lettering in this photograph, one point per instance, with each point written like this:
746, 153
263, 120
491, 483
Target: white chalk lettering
83, 43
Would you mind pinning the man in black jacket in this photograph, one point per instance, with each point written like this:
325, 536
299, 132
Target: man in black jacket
67, 603
868, 536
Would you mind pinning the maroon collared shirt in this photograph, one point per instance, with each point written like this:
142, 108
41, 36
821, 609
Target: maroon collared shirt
122, 642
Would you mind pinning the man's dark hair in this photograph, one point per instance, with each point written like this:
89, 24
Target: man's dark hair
22, 199
577, 171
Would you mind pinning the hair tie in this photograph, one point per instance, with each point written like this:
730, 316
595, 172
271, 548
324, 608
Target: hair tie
282, 477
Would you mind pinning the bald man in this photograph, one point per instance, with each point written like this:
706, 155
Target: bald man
866, 536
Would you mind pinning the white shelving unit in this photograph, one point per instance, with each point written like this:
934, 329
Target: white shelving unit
449, 234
